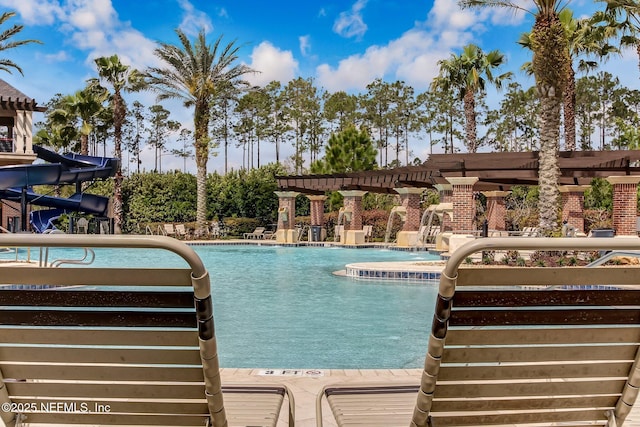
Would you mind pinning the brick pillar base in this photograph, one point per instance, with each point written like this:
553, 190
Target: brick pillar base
625, 204
286, 209
573, 205
464, 206
496, 209
410, 198
446, 196
353, 204
317, 209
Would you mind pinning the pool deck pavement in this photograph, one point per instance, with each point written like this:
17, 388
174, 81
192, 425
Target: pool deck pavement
305, 389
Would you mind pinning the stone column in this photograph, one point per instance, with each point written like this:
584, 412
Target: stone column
464, 206
625, 201
445, 197
573, 205
353, 204
496, 209
410, 199
286, 232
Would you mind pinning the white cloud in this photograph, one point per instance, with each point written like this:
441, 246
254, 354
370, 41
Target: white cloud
271, 64
194, 20
87, 15
413, 58
305, 45
350, 24
35, 12
60, 56
222, 13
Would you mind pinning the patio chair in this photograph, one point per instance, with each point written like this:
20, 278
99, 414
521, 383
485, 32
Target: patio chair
129, 348
181, 231
169, 230
258, 233
368, 232
517, 346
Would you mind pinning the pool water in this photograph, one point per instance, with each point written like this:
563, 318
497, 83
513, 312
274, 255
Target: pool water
282, 308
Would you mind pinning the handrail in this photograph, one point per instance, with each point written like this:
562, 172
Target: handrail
609, 255
87, 259
106, 241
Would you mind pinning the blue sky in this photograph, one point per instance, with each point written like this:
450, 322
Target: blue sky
343, 45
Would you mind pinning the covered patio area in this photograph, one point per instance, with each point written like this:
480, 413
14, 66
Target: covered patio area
457, 177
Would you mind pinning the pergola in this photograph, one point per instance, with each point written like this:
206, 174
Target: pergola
458, 176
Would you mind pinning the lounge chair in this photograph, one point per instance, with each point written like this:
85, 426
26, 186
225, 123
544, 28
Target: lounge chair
258, 233
517, 346
131, 348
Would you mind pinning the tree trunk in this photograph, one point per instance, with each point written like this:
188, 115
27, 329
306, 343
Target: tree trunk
201, 125
548, 170
84, 144
570, 110
550, 62
470, 121
118, 119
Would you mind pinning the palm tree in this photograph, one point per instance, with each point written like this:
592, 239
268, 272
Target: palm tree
194, 73
584, 38
550, 57
468, 74
121, 78
623, 16
86, 105
6, 43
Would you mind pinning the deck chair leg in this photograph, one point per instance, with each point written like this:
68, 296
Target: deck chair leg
611, 419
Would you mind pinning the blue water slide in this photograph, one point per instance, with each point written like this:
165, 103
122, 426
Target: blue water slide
16, 182
44, 219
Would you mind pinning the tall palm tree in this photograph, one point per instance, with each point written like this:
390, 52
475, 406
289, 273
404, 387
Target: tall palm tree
585, 39
550, 57
6, 42
194, 73
468, 74
121, 78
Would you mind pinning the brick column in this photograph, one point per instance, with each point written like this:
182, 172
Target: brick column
446, 195
625, 202
317, 209
286, 217
464, 206
573, 205
353, 204
410, 198
496, 209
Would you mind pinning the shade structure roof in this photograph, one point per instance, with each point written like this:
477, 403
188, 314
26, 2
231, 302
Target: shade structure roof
495, 171
12, 99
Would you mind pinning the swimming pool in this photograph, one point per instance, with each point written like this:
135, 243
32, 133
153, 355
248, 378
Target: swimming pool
281, 307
